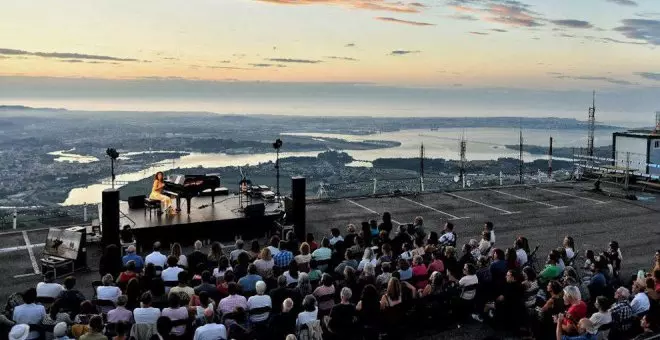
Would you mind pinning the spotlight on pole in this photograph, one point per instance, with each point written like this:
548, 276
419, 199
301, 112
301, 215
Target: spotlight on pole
113, 154
277, 145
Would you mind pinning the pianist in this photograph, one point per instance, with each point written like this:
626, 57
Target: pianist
157, 193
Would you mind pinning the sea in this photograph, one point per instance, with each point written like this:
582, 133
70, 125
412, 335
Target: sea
482, 144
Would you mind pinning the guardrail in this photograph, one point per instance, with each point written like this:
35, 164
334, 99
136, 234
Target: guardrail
49, 216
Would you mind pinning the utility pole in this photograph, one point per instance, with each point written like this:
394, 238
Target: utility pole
521, 161
550, 160
592, 127
421, 168
463, 148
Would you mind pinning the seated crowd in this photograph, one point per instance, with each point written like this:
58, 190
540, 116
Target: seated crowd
365, 283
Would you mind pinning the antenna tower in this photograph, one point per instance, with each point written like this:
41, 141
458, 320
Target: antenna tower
521, 161
592, 127
550, 160
463, 148
421, 168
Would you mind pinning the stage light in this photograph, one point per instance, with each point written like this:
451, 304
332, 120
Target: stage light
113, 154
278, 144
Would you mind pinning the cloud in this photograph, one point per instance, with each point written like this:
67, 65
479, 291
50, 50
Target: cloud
170, 58
648, 14
290, 60
649, 75
403, 52
406, 22
267, 65
641, 29
341, 58
478, 33
60, 55
374, 5
350, 45
624, 2
466, 17
606, 40
596, 78
228, 68
509, 12
73, 61
572, 23
498, 30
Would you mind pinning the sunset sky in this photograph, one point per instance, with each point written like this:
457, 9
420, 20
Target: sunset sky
470, 43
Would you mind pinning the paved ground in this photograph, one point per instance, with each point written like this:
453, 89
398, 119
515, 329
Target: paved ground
544, 214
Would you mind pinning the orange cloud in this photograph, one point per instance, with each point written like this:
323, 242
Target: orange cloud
374, 5
406, 22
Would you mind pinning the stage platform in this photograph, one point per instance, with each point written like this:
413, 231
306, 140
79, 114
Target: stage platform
219, 221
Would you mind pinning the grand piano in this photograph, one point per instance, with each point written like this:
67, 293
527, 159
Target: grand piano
189, 186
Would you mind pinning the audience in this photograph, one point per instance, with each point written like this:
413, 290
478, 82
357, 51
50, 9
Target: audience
356, 285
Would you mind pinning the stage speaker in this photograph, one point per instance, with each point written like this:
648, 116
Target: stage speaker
110, 217
255, 210
136, 202
298, 190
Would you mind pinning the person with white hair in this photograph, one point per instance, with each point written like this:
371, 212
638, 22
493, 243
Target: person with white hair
259, 301
367, 257
132, 256
108, 291
342, 316
211, 330
621, 311
640, 303
283, 323
196, 257
577, 310
233, 256
59, 331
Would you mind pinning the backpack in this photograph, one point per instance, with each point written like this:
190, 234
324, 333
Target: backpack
311, 331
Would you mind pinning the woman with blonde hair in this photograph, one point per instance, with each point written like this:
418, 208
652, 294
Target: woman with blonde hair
304, 258
265, 263
176, 252
157, 193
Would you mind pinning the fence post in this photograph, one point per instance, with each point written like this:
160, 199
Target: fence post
501, 180
85, 212
15, 218
421, 179
375, 181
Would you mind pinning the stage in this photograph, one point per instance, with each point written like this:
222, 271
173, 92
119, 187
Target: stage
219, 221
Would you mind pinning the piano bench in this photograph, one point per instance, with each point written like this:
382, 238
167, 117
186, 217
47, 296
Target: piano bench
150, 205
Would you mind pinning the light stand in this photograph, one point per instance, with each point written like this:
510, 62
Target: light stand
113, 154
277, 146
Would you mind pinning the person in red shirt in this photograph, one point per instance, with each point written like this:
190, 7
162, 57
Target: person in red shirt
128, 274
577, 310
312, 244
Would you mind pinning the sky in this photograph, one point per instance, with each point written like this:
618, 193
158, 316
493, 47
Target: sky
545, 45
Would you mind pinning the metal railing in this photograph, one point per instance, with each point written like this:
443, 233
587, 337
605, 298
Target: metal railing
49, 216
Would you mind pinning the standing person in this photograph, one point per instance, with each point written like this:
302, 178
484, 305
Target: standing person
488, 226
110, 262
386, 225
157, 193
448, 238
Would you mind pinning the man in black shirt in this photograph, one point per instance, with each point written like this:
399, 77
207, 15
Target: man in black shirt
196, 257
208, 286
341, 322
